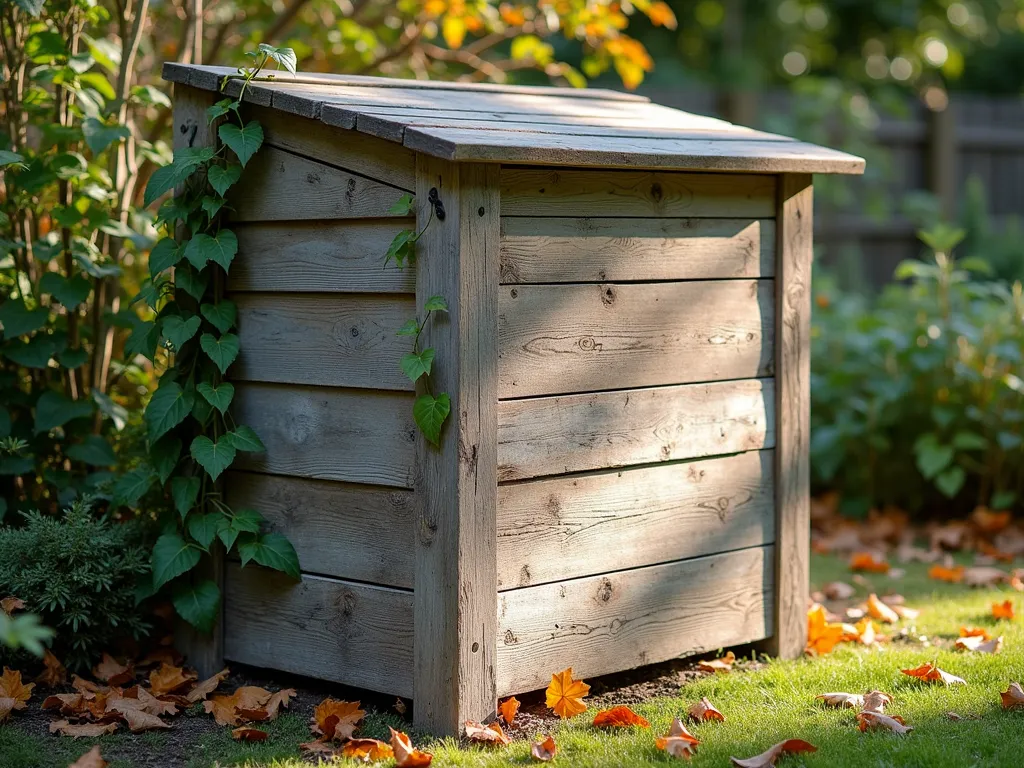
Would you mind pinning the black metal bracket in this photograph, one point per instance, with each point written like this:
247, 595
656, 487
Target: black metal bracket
435, 201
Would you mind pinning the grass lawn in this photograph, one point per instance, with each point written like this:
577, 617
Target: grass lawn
762, 706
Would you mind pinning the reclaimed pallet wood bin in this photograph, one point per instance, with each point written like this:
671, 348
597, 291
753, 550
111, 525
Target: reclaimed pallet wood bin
623, 478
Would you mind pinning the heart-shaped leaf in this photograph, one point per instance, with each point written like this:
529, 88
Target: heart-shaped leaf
242, 521
222, 178
211, 456
99, 136
93, 450
416, 364
203, 528
436, 304
132, 486
55, 410
220, 396
177, 329
70, 293
245, 438
172, 556
165, 454
273, 551
222, 351
220, 249
212, 205
243, 141
429, 413
283, 56
191, 281
17, 320
164, 255
221, 315
184, 492
167, 408
198, 604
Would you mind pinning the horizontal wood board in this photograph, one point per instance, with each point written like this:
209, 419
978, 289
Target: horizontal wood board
344, 632
588, 193
556, 339
603, 624
326, 339
569, 527
578, 250
350, 435
347, 531
345, 256
577, 433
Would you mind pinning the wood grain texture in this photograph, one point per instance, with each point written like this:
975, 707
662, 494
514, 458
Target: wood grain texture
558, 339
347, 531
280, 186
353, 634
456, 584
578, 250
353, 151
205, 652
562, 528
356, 436
609, 623
327, 339
577, 433
570, 193
795, 253
321, 257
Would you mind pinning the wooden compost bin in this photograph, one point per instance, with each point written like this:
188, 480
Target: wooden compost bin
624, 475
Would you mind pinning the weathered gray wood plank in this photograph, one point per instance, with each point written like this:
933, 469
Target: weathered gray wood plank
356, 436
556, 250
577, 433
456, 582
604, 624
570, 193
562, 527
327, 339
329, 256
557, 339
348, 633
279, 186
793, 523
360, 532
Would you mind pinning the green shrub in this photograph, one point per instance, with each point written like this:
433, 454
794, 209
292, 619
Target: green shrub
79, 574
916, 395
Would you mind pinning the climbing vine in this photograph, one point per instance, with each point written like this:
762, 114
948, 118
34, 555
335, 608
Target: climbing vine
429, 411
192, 435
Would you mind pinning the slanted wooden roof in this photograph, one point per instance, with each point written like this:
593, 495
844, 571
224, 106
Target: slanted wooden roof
524, 124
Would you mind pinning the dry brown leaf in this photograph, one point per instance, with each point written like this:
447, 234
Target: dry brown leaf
871, 720
113, 672
1003, 610
864, 632
876, 701
619, 717
367, 750
508, 709
337, 720
907, 553
703, 711
842, 700
822, 636
67, 703
166, 654
767, 759
247, 733
6, 707
11, 687
905, 613
139, 721
91, 759
246, 703
988, 521
319, 747
169, 679
406, 756
399, 706
838, 590
984, 576
53, 673
11, 604
486, 734
82, 685
207, 686
83, 730
877, 609
564, 696
544, 751
930, 673
979, 644
679, 742
723, 664
1013, 696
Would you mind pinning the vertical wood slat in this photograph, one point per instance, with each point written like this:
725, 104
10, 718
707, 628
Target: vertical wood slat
792, 366
204, 652
456, 541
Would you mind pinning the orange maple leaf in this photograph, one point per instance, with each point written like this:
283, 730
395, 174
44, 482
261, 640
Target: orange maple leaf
866, 561
877, 609
767, 759
91, 759
337, 720
619, 717
207, 686
544, 751
405, 755
53, 673
822, 636
704, 710
169, 679
1013, 696
248, 733
11, 687
678, 742
1003, 610
486, 734
930, 673
565, 695
723, 664
508, 709
941, 573
113, 672
869, 720
975, 632
367, 750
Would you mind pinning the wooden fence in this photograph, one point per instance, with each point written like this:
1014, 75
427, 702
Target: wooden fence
926, 151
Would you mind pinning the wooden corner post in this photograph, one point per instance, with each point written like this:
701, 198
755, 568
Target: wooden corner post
794, 225
456, 599
191, 128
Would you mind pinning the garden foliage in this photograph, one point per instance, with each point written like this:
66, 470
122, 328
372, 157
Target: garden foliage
917, 398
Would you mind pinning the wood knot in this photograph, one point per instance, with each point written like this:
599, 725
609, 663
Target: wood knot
608, 296
657, 192
510, 638
604, 591
524, 576
589, 344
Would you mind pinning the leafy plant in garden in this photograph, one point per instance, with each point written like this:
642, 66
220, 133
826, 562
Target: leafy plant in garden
917, 396
79, 573
193, 437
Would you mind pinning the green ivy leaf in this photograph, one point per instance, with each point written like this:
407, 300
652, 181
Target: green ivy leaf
132, 486
416, 364
10, 158
143, 340
34, 353
165, 454
403, 205
244, 438
951, 481
243, 141
203, 248
93, 450
172, 556
411, 328
191, 281
283, 56
969, 441
176, 209
184, 492
17, 320
165, 254
221, 315
402, 249
55, 410
430, 413
178, 330
211, 456
202, 411
198, 604
186, 161
436, 304
222, 178
167, 408
271, 550
220, 396
242, 521
70, 293
73, 358
222, 351
203, 528
932, 457
212, 205
221, 108
99, 135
